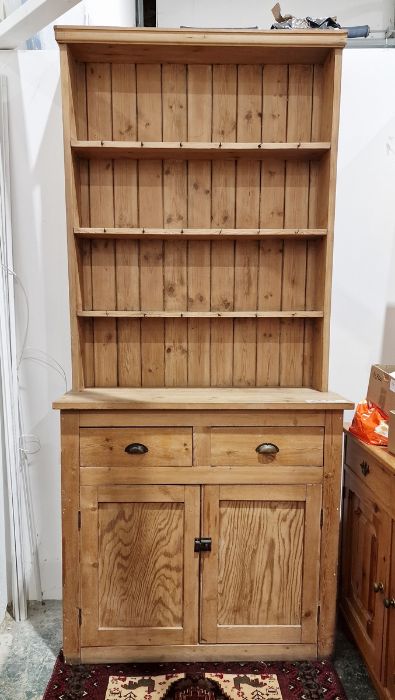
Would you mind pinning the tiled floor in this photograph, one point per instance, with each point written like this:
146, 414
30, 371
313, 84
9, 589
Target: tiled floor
28, 651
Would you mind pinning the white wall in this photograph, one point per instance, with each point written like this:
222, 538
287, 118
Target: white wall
38, 217
363, 318
233, 13
363, 309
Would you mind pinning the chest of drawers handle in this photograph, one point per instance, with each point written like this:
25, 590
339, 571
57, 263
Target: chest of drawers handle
365, 468
389, 603
136, 448
267, 448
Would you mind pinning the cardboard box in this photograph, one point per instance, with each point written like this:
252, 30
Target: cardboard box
381, 390
391, 433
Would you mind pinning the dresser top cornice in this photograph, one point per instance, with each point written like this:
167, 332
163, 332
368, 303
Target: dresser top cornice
200, 45
192, 399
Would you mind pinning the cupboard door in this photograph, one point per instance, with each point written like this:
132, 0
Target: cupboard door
138, 566
390, 656
260, 580
365, 547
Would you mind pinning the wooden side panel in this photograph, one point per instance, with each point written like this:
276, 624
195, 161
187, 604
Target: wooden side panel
75, 181
300, 90
83, 247
101, 188
330, 531
326, 205
70, 535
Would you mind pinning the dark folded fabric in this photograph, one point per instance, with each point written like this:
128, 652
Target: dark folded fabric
360, 31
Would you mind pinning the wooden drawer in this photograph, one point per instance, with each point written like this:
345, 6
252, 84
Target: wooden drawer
369, 470
301, 446
166, 447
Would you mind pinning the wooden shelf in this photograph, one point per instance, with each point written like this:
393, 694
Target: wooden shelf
200, 314
199, 233
157, 150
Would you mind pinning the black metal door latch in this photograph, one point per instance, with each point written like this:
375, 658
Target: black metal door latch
202, 544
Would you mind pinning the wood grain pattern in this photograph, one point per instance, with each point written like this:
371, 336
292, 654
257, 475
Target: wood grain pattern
389, 660
132, 585
199, 214
223, 214
365, 546
166, 447
252, 527
278, 400
173, 104
297, 446
200, 177
266, 533
330, 531
198, 652
70, 538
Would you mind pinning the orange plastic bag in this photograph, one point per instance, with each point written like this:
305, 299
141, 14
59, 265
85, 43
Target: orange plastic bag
370, 424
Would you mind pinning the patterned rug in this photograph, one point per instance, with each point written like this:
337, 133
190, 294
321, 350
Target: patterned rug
195, 681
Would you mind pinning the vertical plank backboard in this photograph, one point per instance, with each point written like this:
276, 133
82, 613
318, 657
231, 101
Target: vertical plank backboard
248, 182
150, 195
199, 86
274, 128
174, 116
124, 126
223, 200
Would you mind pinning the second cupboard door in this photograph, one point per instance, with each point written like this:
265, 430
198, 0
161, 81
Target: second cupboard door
365, 545
139, 571
260, 580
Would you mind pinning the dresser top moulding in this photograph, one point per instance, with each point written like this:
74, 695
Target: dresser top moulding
198, 45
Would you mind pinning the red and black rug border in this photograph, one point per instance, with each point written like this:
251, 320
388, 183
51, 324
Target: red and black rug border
299, 680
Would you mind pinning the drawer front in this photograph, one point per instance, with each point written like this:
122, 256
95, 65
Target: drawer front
296, 446
368, 469
146, 447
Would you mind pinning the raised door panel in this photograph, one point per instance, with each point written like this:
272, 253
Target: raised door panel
260, 580
139, 570
389, 662
365, 547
